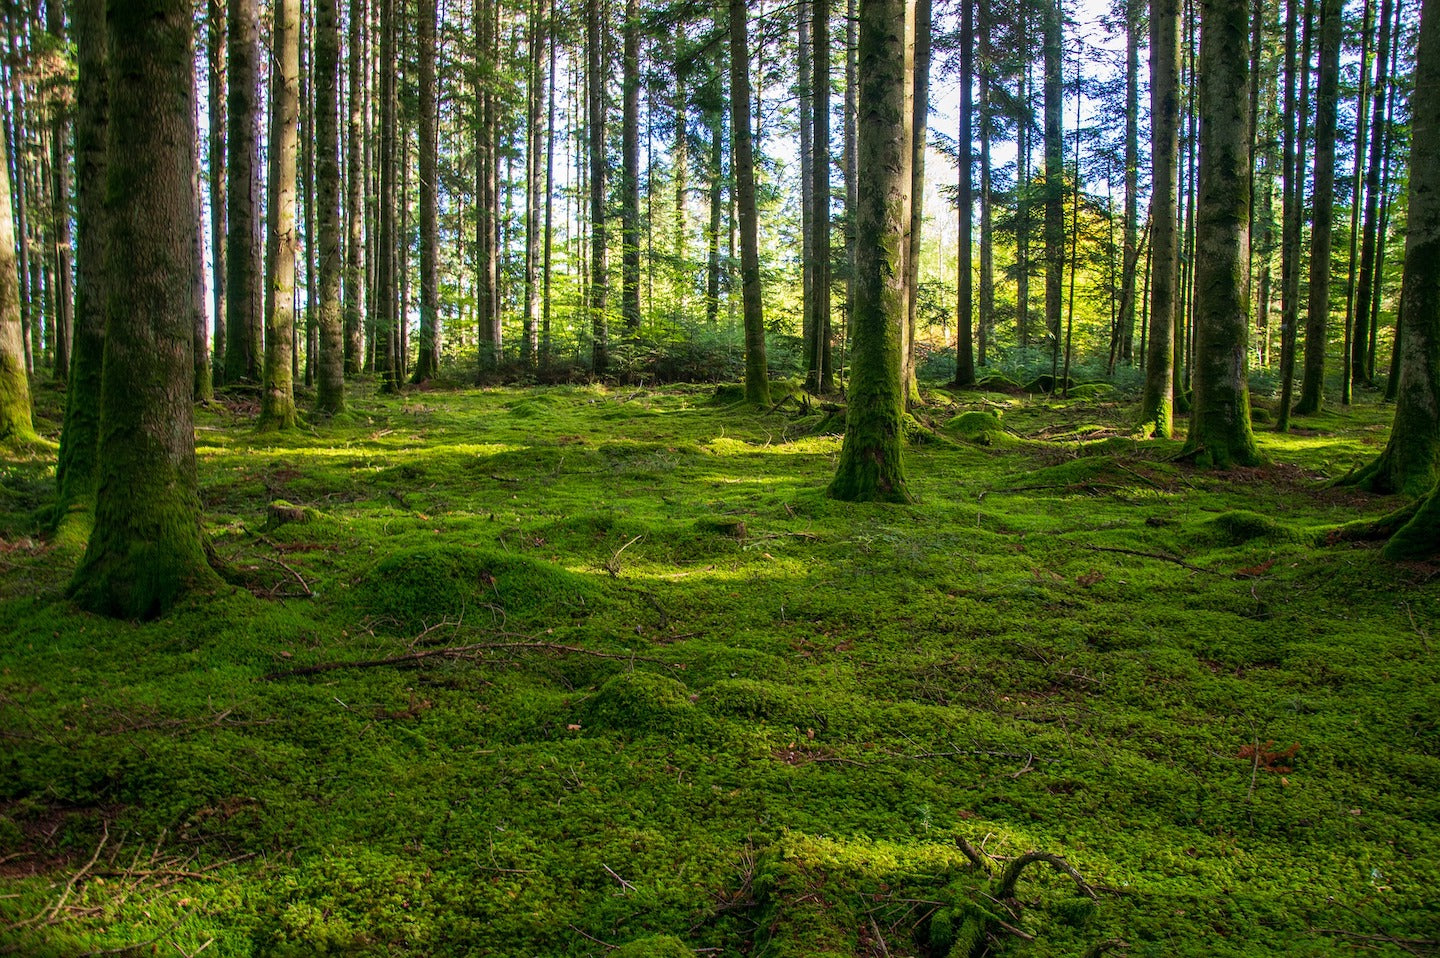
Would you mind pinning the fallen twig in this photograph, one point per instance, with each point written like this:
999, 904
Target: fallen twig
298, 577
475, 650
1162, 556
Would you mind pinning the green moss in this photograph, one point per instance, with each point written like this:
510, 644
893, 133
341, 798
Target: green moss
640, 704
1238, 526
653, 946
982, 428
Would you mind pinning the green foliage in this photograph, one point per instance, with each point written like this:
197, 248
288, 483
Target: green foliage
668, 736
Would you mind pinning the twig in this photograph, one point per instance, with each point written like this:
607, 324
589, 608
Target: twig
611, 872
298, 578
597, 941
1409, 944
1162, 556
879, 938
70, 885
1424, 636
461, 652
971, 853
613, 565
1011, 875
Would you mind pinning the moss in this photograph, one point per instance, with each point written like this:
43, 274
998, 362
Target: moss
982, 428
639, 704
1419, 538
653, 946
1239, 526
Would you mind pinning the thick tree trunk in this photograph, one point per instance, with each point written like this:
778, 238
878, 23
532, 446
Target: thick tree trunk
871, 465
1157, 406
1411, 460
630, 185
330, 367
1220, 413
599, 244
277, 399
243, 273
757, 382
80, 436
1317, 322
146, 547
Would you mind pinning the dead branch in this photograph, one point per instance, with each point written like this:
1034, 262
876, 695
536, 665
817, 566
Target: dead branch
298, 577
473, 651
1162, 556
1011, 875
971, 853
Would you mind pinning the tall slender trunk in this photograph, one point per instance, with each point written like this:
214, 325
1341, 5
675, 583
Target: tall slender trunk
242, 212
918, 63
1052, 50
427, 358
851, 123
277, 399
1297, 135
64, 315
1130, 251
965, 299
388, 236
330, 363
16, 423
987, 227
1157, 405
630, 185
595, 98
757, 382
549, 197
823, 376
354, 272
680, 164
717, 201
805, 93
1347, 378
536, 90
1361, 362
215, 52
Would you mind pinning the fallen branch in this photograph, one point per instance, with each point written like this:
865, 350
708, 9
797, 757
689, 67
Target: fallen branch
1162, 556
1011, 875
298, 577
473, 651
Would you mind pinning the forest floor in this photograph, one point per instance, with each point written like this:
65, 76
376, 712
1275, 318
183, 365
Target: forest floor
552, 671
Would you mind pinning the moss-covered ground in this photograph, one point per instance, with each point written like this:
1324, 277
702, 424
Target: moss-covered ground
650, 692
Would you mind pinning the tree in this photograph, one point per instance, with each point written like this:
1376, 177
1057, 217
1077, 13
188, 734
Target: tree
1360, 357
595, 53
63, 313
1410, 462
330, 368
630, 174
427, 360
1052, 52
757, 382
146, 548
819, 374
871, 465
1220, 412
355, 198
15, 421
215, 52
388, 232
1157, 406
242, 211
1327, 96
80, 435
277, 398
964, 353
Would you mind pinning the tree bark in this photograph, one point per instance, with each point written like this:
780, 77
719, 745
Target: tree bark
918, 63
354, 278
387, 233
243, 273
1130, 252
965, 296
1157, 406
330, 365
1220, 412
534, 184
871, 465
427, 358
630, 184
757, 382
1327, 96
986, 323
1296, 139
64, 316
599, 244
215, 50
821, 375
16, 424
277, 399
1052, 53
145, 550
1360, 359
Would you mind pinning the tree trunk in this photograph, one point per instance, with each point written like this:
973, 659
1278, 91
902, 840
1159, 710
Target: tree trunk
599, 282
1411, 460
1157, 406
215, 51
851, 135
387, 234
243, 273
60, 210
965, 298
987, 227
871, 465
146, 547
354, 278
1296, 139
534, 184
757, 383
820, 358
1360, 360
330, 367
1312, 386
16, 424
203, 385
1052, 51
1220, 412
277, 399
80, 436
549, 197
630, 186
1129, 256
918, 62
805, 93
427, 358
1347, 378
717, 201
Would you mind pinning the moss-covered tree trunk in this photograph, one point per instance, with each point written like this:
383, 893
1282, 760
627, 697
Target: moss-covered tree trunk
871, 465
15, 417
277, 399
146, 548
1409, 462
80, 437
1317, 318
242, 197
330, 367
757, 380
1220, 411
1157, 409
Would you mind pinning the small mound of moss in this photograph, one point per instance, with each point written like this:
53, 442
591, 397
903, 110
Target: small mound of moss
1241, 525
416, 587
1091, 391
653, 946
755, 701
981, 427
640, 704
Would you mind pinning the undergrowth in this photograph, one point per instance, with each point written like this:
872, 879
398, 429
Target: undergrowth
574, 671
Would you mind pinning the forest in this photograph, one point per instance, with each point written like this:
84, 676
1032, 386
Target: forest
663, 478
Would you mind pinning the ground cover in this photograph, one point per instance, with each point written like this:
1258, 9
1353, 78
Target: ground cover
576, 671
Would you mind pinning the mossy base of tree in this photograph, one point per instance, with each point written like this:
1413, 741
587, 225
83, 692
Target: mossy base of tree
1419, 537
1400, 468
137, 566
871, 466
